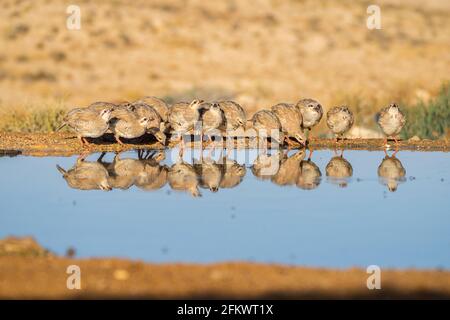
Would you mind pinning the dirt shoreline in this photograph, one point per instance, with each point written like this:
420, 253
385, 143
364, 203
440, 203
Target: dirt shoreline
29, 271
66, 144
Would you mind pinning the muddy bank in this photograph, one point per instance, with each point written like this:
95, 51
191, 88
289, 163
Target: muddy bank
29, 271
42, 144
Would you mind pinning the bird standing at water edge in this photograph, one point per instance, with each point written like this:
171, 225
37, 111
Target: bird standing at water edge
339, 121
126, 124
291, 120
158, 104
155, 124
311, 112
235, 116
391, 121
88, 123
183, 117
212, 118
267, 125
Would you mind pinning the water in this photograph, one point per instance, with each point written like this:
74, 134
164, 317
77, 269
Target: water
316, 221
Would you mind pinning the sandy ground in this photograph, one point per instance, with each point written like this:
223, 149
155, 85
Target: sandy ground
258, 52
42, 144
29, 271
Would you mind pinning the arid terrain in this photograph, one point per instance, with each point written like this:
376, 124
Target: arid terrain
29, 271
256, 52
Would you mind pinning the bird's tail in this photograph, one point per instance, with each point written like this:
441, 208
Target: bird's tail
60, 169
61, 126
377, 116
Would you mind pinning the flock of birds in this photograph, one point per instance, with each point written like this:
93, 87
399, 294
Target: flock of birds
148, 172
290, 122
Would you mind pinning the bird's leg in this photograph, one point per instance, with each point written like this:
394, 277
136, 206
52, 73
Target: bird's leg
201, 141
288, 142
181, 146
100, 159
310, 153
85, 142
395, 152
118, 140
81, 140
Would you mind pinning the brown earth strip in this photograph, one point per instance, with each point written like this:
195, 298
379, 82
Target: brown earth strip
30, 271
65, 144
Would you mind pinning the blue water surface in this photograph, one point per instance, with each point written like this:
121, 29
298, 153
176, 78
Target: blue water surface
258, 220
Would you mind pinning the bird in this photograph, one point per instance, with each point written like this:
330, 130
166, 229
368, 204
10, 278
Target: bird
212, 118
310, 176
391, 121
235, 116
266, 166
289, 169
183, 117
122, 172
233, 173
291, 120
126, 124
339, 171
339, 120
391, 172
266, 124
311, 111
87, 123
142, 109
155, 125
100, 105
154, 175
182, 177
86, 175
209, 174
158, 104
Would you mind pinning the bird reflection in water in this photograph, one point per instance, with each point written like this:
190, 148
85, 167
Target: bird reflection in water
391, 172
339, 171
148, 172
86, 175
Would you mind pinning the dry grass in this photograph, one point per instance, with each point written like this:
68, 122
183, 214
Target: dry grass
257, 53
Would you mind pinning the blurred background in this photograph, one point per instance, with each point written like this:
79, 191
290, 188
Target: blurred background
257, 52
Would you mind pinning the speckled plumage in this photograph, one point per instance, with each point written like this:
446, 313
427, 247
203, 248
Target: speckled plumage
339, 171
266, 166
233, 173
311, 111
211, 117
88, 123
391, 172
124, 172
391, 120
235, 116
310, 176
183, 116
340, 120
86, 175
209, 174
126, 124
153, 176
291, 120
158, 104
289, 169
266, 123
155, 125
182, 177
